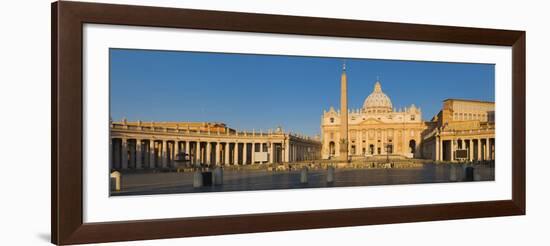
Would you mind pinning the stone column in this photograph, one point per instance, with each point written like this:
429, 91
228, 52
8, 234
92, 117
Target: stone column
164, 154
297, 152
359, 136
437, 148
404, 144
198, 152
441, 149
290, 146
170, 146
124, 153
245, 156
138, 154
479, 149
172, 149
145, 154
132, 155
384, 141
304, 153
293, 153
158, 154
487, 150
286, 152
452, 149
236, 154
208, 153
226, 159
493, 150
176, 150
252, 157
471, 150
218, 155
151, 153
300, 153
187, 147
271, 152
367, 144
116, 155
111, 154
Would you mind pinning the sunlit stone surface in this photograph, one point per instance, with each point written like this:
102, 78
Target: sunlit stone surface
243, 180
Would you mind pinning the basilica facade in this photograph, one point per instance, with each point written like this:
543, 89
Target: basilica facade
378, 129
374, 129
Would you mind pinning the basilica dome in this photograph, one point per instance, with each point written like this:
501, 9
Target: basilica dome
377, 101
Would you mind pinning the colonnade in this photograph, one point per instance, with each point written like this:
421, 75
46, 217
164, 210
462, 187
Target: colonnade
375, 141
478, 149
298, 152
133, 153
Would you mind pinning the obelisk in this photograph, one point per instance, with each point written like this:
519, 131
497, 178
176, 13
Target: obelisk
344, 115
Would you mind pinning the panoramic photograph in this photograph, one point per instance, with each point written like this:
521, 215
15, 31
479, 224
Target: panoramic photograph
194, 122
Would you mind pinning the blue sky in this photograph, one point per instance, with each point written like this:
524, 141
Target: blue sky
265, 91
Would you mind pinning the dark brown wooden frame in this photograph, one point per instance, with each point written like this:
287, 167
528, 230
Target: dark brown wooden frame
66, 219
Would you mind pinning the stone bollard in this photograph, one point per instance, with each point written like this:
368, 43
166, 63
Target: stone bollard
469, 174
115, 180
217, 177
477, 176
330, 174
197, 179
207, 178
303, 176
453, 174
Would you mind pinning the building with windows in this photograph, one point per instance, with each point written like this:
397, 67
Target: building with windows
462, 130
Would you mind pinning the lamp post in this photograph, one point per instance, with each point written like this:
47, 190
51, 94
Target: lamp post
283, 153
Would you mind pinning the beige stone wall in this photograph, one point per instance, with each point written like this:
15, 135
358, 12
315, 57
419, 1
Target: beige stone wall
464, 110
462, 125
371, 136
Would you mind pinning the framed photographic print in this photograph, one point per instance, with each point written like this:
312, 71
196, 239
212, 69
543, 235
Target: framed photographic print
175, 122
